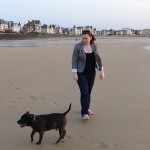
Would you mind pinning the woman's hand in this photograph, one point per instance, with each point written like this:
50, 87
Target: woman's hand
75, 76
102, 75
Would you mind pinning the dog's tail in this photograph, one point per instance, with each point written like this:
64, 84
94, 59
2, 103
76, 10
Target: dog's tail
67, 110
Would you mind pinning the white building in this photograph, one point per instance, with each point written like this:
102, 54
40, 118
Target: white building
47, 29
78, 30
14, 27
146, 32
3, 25
127, 31
74, 30
119, 32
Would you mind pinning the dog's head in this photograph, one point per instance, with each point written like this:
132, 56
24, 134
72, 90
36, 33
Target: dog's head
26, 120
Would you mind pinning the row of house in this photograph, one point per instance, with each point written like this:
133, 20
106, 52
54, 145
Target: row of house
125, 31
9, 26
35, 26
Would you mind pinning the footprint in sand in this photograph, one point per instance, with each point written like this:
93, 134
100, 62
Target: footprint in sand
33, 98
103, 146
68, 136
80, 137
55, 103
37, 98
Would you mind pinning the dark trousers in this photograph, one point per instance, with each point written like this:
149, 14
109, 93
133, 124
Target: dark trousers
85, 83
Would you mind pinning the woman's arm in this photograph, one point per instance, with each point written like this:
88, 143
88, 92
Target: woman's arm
102, 75
74, 63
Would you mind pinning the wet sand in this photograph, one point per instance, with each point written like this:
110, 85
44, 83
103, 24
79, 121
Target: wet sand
39, 80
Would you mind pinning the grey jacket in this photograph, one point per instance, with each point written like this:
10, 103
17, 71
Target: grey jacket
79, 58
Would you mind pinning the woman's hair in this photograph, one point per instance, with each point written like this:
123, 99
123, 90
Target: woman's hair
90, 34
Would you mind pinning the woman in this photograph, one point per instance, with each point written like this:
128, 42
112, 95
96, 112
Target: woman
85, 59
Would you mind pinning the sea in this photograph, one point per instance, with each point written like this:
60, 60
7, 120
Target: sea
68, 41
35, 43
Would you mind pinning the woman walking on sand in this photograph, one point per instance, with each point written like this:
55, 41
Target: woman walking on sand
85, 59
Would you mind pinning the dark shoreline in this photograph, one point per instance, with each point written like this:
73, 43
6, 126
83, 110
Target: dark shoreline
14, 36
32, 36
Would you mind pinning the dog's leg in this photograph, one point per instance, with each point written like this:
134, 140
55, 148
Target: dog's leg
64, 133
61, 135
32, 134
40, 137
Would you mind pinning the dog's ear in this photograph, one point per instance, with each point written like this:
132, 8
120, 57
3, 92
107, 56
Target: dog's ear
27, 112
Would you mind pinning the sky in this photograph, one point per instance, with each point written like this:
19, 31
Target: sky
101, 14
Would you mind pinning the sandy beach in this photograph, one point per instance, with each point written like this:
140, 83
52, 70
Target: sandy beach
39, 80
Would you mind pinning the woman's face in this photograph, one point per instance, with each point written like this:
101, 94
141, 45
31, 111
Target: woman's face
86, 39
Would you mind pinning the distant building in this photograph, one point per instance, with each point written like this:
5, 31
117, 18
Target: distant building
104, 32
138, 32
47, 29
33, 26
127, 31
78, 30
146, 32
14, 27
88, 28
51, 29
99, 33
3, 25
74, 30
66, 31
94, 31
58, 30
119, 32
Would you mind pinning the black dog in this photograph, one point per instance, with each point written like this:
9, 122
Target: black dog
41, 123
